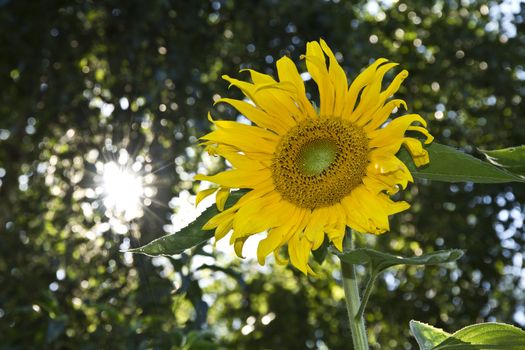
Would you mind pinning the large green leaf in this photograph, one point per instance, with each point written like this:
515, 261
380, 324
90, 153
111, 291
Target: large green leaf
427, 336
187, 237
451, 165
380, 261
483, 336
512, 159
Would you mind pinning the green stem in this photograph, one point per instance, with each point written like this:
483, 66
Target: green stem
366, 294
350, 285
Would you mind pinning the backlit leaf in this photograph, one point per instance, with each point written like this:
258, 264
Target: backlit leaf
187, 237
427, 336
483, 336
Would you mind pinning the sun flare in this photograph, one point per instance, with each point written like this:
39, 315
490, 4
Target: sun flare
123, 191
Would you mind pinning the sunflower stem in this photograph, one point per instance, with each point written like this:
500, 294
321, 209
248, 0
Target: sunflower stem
351, 288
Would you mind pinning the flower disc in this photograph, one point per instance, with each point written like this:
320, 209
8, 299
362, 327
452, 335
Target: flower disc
319, 161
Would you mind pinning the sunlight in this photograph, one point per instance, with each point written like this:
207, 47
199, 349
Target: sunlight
123, 191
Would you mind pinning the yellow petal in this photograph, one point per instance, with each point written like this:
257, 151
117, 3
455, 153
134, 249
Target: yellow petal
299, 250
243, 140
368, 211
223, 228
385, 163
259, 78
220, 218
394, 86
258, 116
277, 236
391, 180
262, 214
247, 160
238, 245
392, 207
311, 272
354, 217
378, 118
267, 245
314, 230
375, 111
316, 65
339, 80
278, 259
203, 194
238, 159
376, 186
362, 80
273, 104
429, 138
336, 230
249, 218
370, 96
287, 71
394, 131
419, 155
222, 196
237, 178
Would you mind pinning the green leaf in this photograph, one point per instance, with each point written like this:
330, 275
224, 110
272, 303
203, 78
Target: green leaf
451, 165
512, 159
321, 252
187, 237
427, 336
380, 261
497, 336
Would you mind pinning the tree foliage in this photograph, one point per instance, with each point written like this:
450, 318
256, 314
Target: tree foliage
89, 82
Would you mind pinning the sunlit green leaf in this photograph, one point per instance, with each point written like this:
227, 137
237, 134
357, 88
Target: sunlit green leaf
187, 237
512, 159
427, 336
451, 165
380, 260
498, 336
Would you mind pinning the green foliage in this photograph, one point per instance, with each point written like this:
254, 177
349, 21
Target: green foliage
512, 159
427, 336
450, 165
321, 252
156, 66
481, 336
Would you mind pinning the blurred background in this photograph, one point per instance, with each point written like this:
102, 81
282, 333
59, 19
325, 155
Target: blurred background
101, 106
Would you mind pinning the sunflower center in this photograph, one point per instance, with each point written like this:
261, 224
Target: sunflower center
320, 161
316, 156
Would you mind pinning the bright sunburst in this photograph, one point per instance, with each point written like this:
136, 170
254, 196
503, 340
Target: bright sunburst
123, 191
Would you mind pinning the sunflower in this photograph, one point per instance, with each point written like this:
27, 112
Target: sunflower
311, 173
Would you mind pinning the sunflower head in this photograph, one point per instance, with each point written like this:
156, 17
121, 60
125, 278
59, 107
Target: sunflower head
312, 173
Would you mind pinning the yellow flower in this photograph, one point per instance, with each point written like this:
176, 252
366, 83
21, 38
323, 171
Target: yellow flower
312, 173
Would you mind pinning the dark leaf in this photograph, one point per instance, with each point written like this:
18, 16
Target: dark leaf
380, 260
451, 165
512, 159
